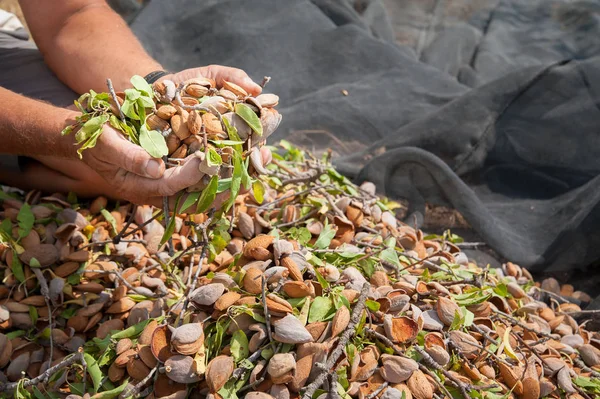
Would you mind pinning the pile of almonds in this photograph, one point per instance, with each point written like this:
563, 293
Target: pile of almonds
318, 291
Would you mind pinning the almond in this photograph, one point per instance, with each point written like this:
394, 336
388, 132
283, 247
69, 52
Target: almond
400, 329
45, 254
194, 122
226, 300
340, 321
446, 310
218, 372
419, 385
262, 241
179, 126
292, 267
122, 305
154, 122
296, 289
166, 111
211, 123
253, 281
235, 89
290, 330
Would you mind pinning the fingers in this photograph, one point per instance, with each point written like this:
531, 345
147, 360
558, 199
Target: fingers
114, 149
221, 73
140, 190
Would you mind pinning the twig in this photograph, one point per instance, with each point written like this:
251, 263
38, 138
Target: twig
265, 80
337, 352
333, 382
111, 89
66, 362
469, 245
46, 293
165, 201
518, 323
430, 362
119, 236
265, 308
135, 390
141, 226
399, 352
92, 244
250, 386
125, 282
376, 392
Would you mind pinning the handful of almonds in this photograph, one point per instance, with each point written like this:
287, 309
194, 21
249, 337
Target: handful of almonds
316, 289
223, 126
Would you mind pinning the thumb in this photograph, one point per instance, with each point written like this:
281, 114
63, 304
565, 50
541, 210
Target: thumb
120, 152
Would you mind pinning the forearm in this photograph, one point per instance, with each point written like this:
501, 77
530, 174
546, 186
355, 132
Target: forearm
30, 127
86, 42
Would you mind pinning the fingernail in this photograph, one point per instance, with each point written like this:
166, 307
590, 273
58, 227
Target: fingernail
153, 169
250, 83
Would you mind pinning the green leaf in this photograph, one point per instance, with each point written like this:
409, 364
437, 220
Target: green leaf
153, 142
208, 195
472, 298
300, 234
233, 136
33, 314
113, 393
15, 334
17, 268
140, 83
259, 191
34, 263
468, 317
246, 113
132, 331
390, 256
129, 109
324, 283
246, 179
111, 220
190, 200
236, 180
93, 370
372, 305
501, 290
132, 95
67, 130
90, 142
224, 184
26, 219
145, 102
226, 143
171, 227
91, 127
6, 227
320, 309
325, 237
239, 346
213, 158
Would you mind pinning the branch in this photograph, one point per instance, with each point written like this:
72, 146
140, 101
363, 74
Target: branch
66, 362
337, 352
111, 89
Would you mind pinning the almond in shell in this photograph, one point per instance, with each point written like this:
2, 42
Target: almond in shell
218, 372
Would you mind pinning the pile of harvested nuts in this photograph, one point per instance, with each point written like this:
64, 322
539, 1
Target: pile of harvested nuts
315, 290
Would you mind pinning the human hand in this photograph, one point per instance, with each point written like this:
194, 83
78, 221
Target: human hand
218, 73
133, 174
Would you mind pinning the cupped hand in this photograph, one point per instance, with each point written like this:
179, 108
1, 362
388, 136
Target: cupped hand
218, 73
133, 174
